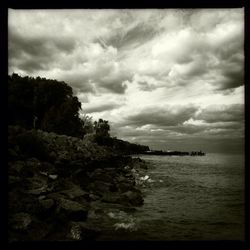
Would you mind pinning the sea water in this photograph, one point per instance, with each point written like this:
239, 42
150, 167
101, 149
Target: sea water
189, 198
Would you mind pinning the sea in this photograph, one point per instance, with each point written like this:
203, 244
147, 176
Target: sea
187, 198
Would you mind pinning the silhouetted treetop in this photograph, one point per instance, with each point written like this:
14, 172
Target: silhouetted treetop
50, 102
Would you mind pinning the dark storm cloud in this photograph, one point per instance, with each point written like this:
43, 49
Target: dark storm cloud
40, 51
116, 86
79, 82
101, 108
231, 69
229, 113
140, 33
169, 116
145, 86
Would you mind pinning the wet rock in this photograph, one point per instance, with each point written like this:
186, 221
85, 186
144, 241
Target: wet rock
12, 154
75, 192
133, 197
112, 198
41, 197
37, 185
16, 167
13, 181
52, 156
139, 163
94, 197
124, 186
20, 221
103, 176
56, 196
82, 231
74, 165
47, 167
63, 156
72, 210
81, 178
47, 204
99, 187
53, 176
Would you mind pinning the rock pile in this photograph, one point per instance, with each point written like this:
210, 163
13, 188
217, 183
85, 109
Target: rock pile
58, 184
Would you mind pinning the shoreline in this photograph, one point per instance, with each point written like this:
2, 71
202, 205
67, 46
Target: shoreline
59, 186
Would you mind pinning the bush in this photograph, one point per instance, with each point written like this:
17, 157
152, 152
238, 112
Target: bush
33, 146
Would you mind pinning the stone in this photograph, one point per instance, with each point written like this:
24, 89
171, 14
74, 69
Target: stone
99, 187
124, 186
12, 154
46, 204
82, 231
94, 197
16, 167
73, 210
111, 198
14, 180
38, 191
75, 192
37, 185
52, 155
47, 167
133, 197
20, 221
53, 176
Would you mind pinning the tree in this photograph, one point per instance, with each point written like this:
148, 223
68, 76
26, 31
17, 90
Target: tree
88, 126
50, 102
101, 128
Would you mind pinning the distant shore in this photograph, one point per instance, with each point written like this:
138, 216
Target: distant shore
174, 153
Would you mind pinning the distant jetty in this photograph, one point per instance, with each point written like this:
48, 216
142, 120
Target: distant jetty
173, 153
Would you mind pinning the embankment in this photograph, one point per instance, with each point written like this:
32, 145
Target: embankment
59, 185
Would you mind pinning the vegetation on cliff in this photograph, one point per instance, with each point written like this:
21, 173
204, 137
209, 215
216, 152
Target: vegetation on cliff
66, 175
50, 105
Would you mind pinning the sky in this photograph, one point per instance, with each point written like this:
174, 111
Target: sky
172, 79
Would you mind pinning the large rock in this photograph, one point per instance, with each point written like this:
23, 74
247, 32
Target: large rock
99, 187
112, 198
15, 167
47, 204
75, 192
82, 231
101, 175
20, 221
72, 210
133, 197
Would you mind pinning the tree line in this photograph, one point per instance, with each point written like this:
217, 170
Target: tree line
50, 105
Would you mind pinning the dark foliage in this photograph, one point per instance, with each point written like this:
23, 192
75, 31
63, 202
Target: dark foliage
32, 146
127, 147
43, 104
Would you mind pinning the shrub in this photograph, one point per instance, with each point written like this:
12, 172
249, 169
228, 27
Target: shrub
33, 146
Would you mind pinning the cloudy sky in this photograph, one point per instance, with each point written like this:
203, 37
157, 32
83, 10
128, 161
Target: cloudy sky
170, 79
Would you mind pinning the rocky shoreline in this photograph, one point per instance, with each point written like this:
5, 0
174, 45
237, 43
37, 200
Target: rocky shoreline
64, 188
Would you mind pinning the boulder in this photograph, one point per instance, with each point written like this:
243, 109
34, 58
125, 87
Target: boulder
133, 197
75, 192
20, 221
82, 231
99, 187
37, 185
72, 210
102, 176
15, 167
112, 198
47, 204
14, 181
